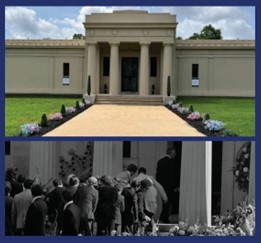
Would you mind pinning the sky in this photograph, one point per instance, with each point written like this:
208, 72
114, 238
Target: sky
63, 22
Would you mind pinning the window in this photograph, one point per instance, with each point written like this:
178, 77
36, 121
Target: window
7, 147
106, 66
66, 70
194, 71
153, 66
66, 73
126, 149
195, 79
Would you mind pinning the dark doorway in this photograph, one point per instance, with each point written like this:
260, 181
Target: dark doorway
129, 74
176, 171
216, 176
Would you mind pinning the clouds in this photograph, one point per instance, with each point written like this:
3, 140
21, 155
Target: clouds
23, 22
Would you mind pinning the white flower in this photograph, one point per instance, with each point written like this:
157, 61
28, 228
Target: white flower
245, 169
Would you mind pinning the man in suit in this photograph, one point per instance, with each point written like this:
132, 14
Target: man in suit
70, 216
87, 199
53, 199
167, 175
8, 210
36, 214
20, 206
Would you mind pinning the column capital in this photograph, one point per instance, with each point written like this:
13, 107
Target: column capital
145, 43
114, 43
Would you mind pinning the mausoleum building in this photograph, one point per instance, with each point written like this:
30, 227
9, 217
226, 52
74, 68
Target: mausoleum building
131, 53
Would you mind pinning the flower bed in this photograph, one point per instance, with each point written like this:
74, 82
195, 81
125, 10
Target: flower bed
55, 120
212, 128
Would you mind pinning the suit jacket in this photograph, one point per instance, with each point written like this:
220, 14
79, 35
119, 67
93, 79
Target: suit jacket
20, 206
35, 218
167, 174
8, 215
70, 220
87, 199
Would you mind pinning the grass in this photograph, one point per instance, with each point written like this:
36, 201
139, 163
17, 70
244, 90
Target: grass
238, 114
23, 110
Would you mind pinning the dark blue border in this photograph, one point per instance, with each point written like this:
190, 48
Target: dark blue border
4, 3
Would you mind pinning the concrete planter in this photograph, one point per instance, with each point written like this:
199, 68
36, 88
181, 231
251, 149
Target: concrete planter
167, 99
89, 99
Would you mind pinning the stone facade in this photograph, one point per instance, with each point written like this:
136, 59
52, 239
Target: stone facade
130, 52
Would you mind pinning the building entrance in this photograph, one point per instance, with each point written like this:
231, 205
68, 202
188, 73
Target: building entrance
129, 74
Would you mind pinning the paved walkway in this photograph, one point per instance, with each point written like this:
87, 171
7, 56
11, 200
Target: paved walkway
126, 121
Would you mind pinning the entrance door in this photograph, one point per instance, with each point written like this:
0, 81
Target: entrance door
129, 74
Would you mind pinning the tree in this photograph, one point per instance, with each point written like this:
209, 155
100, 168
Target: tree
78, 36
207, 33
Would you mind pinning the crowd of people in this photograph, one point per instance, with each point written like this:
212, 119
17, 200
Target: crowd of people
125, 204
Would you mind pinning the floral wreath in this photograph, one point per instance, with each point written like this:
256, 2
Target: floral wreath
241, 169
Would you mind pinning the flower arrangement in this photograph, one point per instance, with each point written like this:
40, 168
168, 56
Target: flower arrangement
194, 116
241, 169
81, 104
175, 106
183, 110
214, 125
29, 128
70, 110
56, 116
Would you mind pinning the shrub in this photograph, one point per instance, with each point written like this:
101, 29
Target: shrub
206, 117
89, 85
191, 109
63, 110
44, 121
83, 101
77, 105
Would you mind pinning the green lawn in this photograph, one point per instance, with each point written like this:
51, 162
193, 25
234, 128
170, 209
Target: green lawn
23, 110
237, 113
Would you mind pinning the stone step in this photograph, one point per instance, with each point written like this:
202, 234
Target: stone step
129, 99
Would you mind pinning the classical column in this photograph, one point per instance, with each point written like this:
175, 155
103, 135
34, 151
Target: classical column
252, 178
167, 66
107, 158
114, 69
43, 161
195, 184
91, 66
144, 69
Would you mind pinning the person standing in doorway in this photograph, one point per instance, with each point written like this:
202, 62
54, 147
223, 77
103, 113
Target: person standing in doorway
169, 179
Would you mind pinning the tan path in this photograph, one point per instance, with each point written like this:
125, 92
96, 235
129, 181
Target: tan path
125, 121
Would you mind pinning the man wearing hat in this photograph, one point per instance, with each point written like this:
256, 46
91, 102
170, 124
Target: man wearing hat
87, 200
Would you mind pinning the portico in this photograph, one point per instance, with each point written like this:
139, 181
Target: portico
130, 52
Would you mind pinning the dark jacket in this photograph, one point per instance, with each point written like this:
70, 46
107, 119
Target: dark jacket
35, 218
70, 220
